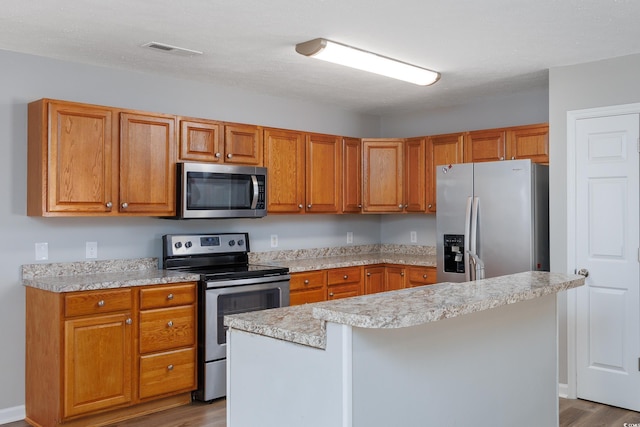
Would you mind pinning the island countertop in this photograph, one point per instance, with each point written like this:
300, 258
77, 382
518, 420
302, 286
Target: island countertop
305, 324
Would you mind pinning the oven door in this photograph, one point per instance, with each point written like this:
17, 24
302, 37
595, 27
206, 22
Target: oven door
222, 302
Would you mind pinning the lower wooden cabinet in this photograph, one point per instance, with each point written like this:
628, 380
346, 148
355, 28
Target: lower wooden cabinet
307, 287
95, 357
420, 276
344, 282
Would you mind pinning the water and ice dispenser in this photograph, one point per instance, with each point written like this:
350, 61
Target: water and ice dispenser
453, 253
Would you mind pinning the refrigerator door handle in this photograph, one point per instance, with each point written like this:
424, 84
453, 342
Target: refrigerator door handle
467, 227
473, 244
478, 267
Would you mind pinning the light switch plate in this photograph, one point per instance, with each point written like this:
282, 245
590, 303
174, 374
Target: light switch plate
91, 250
414, 237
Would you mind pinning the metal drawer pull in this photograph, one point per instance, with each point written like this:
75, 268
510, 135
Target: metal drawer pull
330, 294
170, 323
101, 303
306, 282
128, 321
346, 276
170, 368
170, 296
424, 276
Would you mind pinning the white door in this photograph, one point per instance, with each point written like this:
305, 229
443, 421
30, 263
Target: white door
607, 245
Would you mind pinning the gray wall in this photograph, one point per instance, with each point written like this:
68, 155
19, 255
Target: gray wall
597, 84
27, 78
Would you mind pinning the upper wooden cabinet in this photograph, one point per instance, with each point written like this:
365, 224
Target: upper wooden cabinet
323, 173
529, 142
216, 142
305, 172
485, 146
415, 175
87, 160
147, 164
441, 150
351, 175
520, 142
383, 177
285, 162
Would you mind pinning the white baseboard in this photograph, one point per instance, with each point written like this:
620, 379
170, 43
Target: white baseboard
9, 415
563, 390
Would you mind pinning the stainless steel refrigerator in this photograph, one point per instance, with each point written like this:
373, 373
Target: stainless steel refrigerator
492, 219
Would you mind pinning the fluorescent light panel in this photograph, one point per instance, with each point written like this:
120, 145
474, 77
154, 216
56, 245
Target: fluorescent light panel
342, 54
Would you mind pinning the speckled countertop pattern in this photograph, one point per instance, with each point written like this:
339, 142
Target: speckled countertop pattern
92, 275
407, 307
347, 256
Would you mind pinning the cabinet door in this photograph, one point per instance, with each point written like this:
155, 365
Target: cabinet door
420, 276
383, 175
351, 175
97, 363
529, 142
442, 150
79, 174
374, 280
395, 278
243, 144
323, 173
308, 287
200, 141
284, 159
415, 175
346, 290
147, 164
485, 146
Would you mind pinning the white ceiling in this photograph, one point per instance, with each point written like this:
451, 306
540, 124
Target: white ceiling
481, 47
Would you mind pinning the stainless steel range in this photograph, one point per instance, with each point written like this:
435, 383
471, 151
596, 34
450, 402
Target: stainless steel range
228, 285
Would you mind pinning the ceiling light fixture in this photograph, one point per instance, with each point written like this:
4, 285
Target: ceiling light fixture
342, 54
163, 47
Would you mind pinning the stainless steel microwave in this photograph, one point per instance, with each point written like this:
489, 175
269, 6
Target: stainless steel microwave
220, 191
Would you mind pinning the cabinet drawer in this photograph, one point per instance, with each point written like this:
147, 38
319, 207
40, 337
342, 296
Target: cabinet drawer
308, 280
167, 328
167, 372
167, 296
305, 297
344, 275
95, 302
345, 290
419, 276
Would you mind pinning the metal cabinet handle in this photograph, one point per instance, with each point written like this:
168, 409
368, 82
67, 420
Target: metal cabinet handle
513, 157
229, 156
359, 205
125, 205
309, 206
128, 321
501, 158
345, 277
402, 273
400, 205
430, 205
170, 297
217, 155
101, 303
368, 274
300, 206
330, 294
109, 205
306, 282
424, 276
170, 323
170, 368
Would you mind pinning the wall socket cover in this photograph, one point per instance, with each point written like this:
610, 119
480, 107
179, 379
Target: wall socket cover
349, 236
414, 237
42, 251
274, 240
91, 250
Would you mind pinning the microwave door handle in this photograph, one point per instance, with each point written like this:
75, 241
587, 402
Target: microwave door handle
254, 200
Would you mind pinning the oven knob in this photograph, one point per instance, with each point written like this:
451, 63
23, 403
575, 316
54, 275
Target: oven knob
232, 242
178, 245
240, 242
188, 245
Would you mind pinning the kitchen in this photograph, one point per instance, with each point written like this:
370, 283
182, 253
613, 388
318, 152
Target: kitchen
28, 78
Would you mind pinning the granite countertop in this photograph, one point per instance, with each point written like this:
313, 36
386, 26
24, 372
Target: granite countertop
92, 275
305, 324
347, 256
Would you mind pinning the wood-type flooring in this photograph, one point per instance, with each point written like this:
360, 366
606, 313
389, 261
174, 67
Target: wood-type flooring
573, 413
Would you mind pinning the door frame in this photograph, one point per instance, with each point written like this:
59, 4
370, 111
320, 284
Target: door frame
572, 294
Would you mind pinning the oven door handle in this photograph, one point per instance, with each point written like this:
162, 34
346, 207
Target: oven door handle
249, 281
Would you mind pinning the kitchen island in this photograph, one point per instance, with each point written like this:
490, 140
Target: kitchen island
480, 353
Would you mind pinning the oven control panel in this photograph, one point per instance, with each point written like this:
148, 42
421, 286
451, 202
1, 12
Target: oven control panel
198, 244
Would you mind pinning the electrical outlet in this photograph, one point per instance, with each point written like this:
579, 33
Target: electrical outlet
274, 240
414, 237
91, 250
42, 251
349, 236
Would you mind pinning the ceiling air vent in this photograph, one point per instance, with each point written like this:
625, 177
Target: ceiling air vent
163, 47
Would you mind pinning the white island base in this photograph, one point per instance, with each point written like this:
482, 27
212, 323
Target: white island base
495, 367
